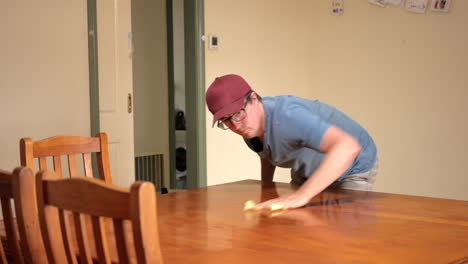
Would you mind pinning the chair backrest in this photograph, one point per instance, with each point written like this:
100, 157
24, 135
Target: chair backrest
69, 146
131, 214
23, 235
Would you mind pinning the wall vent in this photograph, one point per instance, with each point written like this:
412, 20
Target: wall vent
150, 168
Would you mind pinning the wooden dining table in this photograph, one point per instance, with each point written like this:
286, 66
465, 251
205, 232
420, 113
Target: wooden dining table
209, 225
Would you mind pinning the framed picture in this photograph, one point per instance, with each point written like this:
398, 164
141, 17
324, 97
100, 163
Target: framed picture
417, 6
440, 5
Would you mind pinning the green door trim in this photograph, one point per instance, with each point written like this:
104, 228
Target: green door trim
93, 67
171, 93
195, 93
93, 75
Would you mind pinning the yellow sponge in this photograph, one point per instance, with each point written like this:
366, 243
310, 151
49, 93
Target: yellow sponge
277, 206
249, 205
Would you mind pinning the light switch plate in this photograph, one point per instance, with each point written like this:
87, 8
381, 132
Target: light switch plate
213, 42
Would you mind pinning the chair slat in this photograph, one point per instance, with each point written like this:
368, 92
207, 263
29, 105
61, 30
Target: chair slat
72, 165
10, 229
49, 221
3, 259
88, 165
24, 195
5, 191
56, 243
65, 224
42, 163
120, 241
82, 239
103, 159
26, 153
58, 166
5, 194
102, 247
145, 233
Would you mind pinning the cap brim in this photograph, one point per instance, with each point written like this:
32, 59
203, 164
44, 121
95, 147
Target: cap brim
231, 108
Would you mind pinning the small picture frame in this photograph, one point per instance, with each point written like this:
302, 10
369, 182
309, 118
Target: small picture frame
440, 5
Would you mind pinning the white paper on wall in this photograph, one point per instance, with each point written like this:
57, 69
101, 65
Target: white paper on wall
381, 3
394, 2
337, 7
417, 6
440, 5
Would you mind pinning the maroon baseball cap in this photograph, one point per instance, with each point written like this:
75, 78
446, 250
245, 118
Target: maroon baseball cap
225, 95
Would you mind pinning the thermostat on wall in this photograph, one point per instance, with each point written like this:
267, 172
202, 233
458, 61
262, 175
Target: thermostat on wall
213, 42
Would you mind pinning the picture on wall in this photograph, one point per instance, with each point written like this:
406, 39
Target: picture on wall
440, 5
417, 6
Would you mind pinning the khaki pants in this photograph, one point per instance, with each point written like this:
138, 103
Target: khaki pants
360, 181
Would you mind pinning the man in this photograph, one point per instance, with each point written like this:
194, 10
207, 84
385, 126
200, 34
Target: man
322, 146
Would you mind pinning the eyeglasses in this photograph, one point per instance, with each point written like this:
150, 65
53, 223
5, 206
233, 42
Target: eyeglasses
226, 123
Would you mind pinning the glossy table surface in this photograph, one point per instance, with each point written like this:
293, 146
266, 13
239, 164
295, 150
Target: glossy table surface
208, 225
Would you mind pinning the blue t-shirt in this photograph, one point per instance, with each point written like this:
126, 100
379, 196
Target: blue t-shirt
294, 128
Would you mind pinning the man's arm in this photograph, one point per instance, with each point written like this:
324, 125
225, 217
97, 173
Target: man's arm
340, 149
268, 170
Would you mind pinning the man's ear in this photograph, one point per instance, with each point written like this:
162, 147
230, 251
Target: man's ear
253, 95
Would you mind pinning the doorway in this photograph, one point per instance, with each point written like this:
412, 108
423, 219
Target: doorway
185, 27
168, 82
193, 49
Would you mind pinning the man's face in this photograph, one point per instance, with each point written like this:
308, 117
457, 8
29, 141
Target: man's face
250, 124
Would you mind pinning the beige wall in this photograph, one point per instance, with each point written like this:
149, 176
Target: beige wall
150, 83
401, 75
43, 73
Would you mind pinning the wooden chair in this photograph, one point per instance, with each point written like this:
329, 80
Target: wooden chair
57, 146
79, 195
23, 236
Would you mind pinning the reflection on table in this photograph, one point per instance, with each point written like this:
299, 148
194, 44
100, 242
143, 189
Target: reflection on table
208, 225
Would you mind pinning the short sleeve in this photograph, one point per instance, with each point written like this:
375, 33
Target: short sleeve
304, 127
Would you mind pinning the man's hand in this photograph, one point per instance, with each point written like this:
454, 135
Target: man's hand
340, 149
292, 200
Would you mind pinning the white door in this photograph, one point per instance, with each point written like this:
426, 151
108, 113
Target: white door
115, 85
